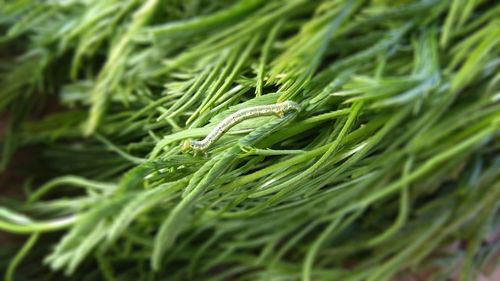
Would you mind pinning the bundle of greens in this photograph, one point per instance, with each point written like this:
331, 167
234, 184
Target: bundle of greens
393, 156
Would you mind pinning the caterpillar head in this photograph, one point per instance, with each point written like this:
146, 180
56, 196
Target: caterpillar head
186, 146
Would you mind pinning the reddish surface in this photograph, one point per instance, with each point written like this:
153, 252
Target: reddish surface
11, 180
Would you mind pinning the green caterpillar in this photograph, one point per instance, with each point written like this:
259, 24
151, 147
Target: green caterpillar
278, 109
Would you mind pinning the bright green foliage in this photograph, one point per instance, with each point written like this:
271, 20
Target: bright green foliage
393, 157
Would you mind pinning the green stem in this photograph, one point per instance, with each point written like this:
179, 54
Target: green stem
9, 274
